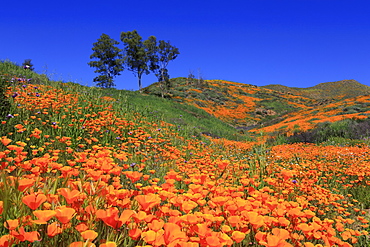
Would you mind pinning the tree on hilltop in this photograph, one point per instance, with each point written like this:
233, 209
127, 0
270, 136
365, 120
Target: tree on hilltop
109, 61
136, 57
160, 55
27, 64
141, 57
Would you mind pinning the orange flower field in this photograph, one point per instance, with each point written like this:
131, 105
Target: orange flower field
79, 169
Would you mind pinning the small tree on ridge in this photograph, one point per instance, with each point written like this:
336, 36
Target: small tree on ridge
160, 55
109, 61
136, 56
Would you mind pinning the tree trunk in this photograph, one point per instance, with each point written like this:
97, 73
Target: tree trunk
140, 87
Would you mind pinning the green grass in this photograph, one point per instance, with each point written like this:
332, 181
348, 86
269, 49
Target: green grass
189, 120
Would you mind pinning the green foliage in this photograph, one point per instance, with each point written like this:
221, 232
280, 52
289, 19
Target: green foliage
341, 141
326, 91
12, 70
109, 61
4, 103
277, 105
350, 132
9, 75
27, 64
358, 107
189, 120
160, 55
141, 57
136, 54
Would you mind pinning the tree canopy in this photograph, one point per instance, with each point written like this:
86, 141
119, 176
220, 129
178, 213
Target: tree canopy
27, 64
136, 55
160, 55
109, 61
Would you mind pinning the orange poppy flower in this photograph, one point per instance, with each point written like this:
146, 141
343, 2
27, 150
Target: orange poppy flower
70, 196
110, 216
192, 219
64, 214
29, 236
5, 140
305, 228
25, 183
153, 238
260, 236
135, 233
82, 227
11, 224
156, 225
188, 244
54, 229
33, 201
187, 206
281, 233
133, 175
148, 201
202, 230
149, 236
255, 219
238, 236
307, 244
172, 233
234, 220
82, 244
108, 244
277, 238
273, 241
346, 235
213, 241
43, 216
6, 240
139, 216
89, 235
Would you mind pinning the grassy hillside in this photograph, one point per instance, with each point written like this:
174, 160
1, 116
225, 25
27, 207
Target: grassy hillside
187, 118
329, 90
240, 105
92, 167
273, 109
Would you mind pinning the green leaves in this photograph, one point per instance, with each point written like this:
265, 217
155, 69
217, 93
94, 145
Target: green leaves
136, 56
109, 61
144, 56
140, 57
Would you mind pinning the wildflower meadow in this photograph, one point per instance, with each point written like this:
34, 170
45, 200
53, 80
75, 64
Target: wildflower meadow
83, 168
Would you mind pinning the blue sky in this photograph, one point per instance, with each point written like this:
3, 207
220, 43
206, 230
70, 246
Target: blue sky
292, 42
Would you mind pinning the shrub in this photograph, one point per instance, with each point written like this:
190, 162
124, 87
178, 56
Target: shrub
339, 132
4, 103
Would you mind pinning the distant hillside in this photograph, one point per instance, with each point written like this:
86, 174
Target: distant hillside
272, 108
240, 105
328, 90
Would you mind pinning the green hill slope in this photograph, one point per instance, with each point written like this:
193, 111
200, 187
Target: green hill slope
190, 120
328, 90
272, 108
240, 105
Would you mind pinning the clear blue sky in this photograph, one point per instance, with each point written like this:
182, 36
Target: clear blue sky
291, 42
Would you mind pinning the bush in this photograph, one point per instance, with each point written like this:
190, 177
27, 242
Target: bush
338, 132
4, 103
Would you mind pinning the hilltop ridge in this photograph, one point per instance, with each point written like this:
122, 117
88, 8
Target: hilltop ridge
270, 108
338, 89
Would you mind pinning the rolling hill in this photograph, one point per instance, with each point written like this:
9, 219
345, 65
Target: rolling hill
271, 108
86, 166
328, 90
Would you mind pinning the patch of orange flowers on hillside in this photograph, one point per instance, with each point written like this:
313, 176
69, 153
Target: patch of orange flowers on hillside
105, 178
